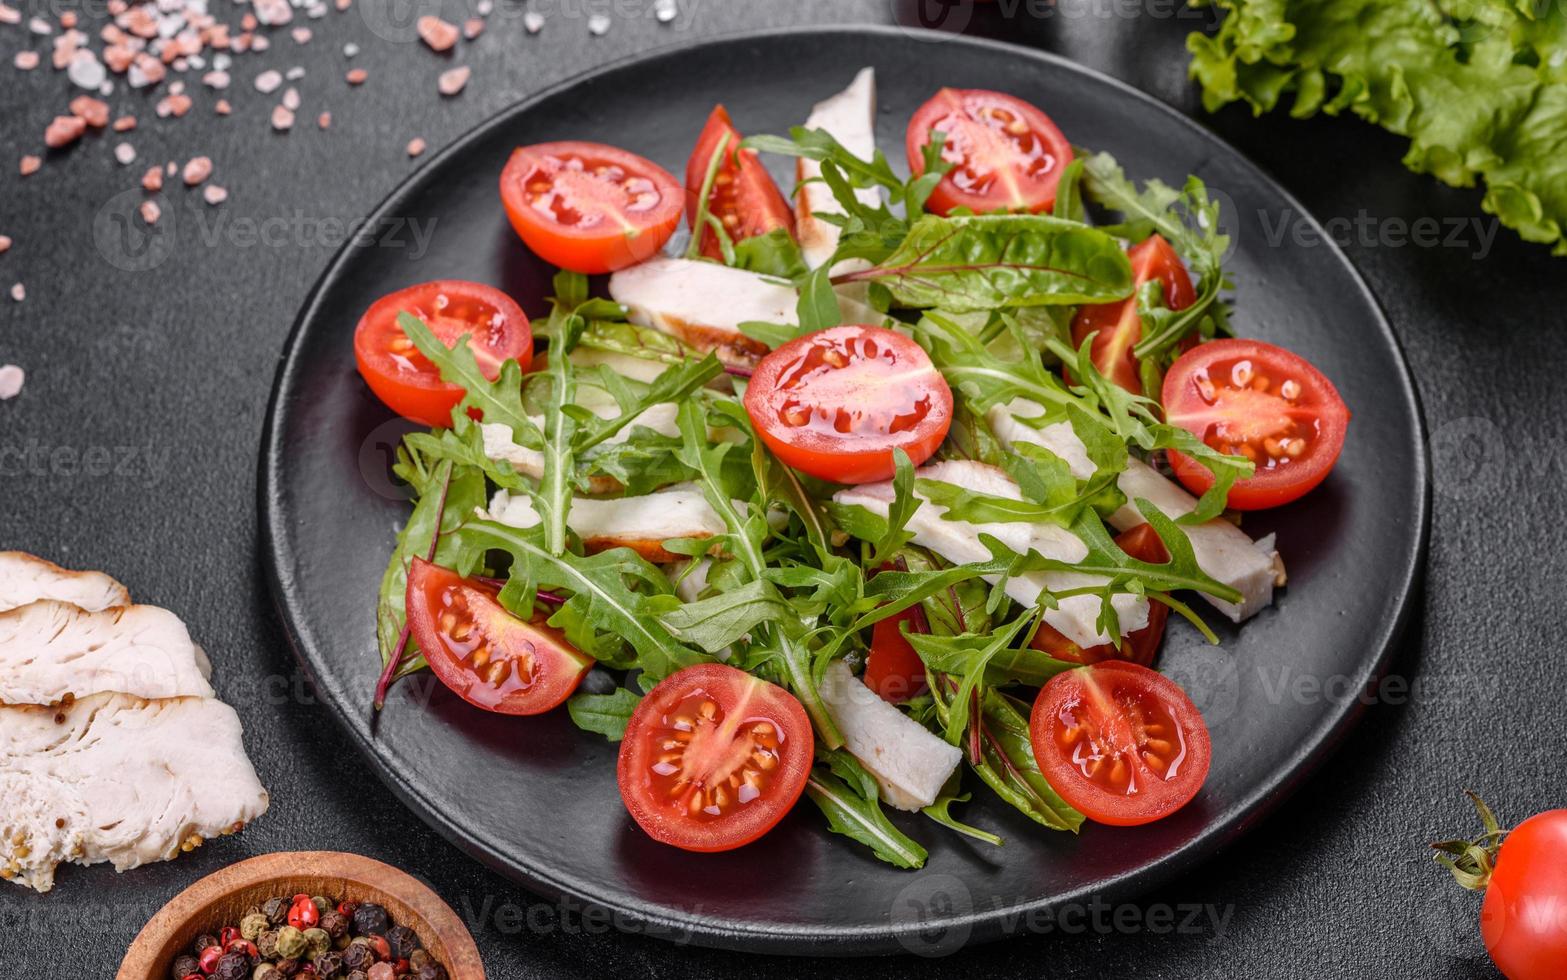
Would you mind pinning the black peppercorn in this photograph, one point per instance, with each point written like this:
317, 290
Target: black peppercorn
403, 941
276, 910
184, 966
431, 971
357, 975
371, 919
288, 967
358, 957
266, 944
232, 966
329, 965
202, 942
335, 924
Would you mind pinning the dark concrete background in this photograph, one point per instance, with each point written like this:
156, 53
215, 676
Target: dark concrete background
169, 371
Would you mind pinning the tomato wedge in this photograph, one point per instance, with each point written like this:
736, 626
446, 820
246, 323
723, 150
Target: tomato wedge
743, 197
892, 669
487, 656
1006, 154
713, 758
589, 207
1139, 647
1122, 744
408, 384
836, 403
1116, 326
1259, 401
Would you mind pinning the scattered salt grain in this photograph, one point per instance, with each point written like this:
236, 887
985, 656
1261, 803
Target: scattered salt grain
18, 292
86, 71
598, 25
665, 10
124, 124
291, 99
94, 112
11, 381
269, 81
63, 131
282, 118
222, 107
26, 60
302, 35
437, 33
5, 244
324, 120
216, 78
533, 21
295, 73
416, 146
454, 81
150, 212
197, 170
472, 28
350, 49
152, 180
214, 195
357, 76
30, 165
39, 26
125, 153
9, 15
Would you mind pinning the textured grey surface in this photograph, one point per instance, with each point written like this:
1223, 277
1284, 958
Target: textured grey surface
167, 372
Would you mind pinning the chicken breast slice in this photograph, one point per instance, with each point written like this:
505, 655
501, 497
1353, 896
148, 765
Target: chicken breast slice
51, 651
641, 523
119, 779
500, 444
958, 542
850, 118
910, 764
1223, 550
25, 578
702, 304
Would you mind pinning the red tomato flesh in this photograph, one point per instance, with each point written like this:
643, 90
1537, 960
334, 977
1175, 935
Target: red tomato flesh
1139, 647
713, 758
589, 207
1524, 917
404, 379
1007, 155
1252, 399
836, 403
1116, 326
1122, 744
488, 657
743, 197
892, 669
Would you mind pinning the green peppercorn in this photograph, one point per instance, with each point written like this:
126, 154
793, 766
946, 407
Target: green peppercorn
335, 923
291, 943
276, 910
252, 926
419, 958
184, 966
316, 942
322, 905
357, 975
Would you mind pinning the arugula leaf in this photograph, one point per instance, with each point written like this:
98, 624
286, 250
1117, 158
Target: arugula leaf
606, 714
818, 308
941, 812
715, 623
955, 655
964, 657
775, 253
992, 262
904, 503
848, 796
699, 222
1007, 764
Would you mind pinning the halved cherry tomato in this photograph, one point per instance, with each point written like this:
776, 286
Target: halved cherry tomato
1117, 327
1122, 744
1007, 155
836, 403
1139, 647
892, 669
743, 198
713, 758
404, 380
589, 207
1260, 401
487, 656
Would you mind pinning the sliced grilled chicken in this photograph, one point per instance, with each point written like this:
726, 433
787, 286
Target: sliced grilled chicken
910, 764
118, 779
850, 118
642, 523
499, 443
958, 541
51, 651
1223, 550
25, 579
702, 304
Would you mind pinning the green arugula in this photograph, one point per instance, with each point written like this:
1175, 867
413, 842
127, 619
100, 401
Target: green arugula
849, 798
605, 714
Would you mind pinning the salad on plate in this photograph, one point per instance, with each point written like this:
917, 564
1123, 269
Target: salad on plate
879, 493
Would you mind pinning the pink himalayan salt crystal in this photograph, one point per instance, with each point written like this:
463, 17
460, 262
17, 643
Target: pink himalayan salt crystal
150, 212
324, 120
64, 131
197, 170
214, 195
94, 112
152, 180
416, 146
454, 81
124, 124
5, 244
282, 118
222, 108
472, 28
30, 165
357, 76
18, 292
437, 33
11, 381
26, 60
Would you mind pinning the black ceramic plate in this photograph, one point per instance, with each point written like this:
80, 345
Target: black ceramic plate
536, 798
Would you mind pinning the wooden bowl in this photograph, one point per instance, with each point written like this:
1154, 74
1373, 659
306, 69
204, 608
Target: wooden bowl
221, 899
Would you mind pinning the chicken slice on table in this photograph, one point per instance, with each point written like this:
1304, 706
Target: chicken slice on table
118, 779
25, 579
1225, 552
910, 764
52, 651
958, 542
850, 118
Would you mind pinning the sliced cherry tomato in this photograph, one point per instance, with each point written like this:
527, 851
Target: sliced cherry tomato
1139, 647
1259, 401
713, 758
1006, 154
892, 669
1122, 744
589, 207
743, 197
487, 656
1116, 326
836, 403
408, 384
1524, 917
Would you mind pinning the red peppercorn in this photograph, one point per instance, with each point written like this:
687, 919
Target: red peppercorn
400, 967
227, 935
303, 914
380, 947
243, 945
208, 960
346, 909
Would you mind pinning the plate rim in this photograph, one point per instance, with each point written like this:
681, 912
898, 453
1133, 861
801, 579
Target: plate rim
1321, 743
